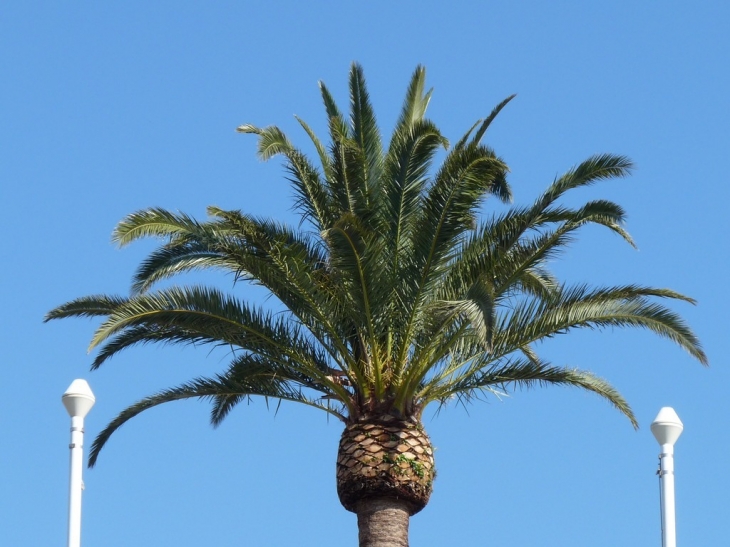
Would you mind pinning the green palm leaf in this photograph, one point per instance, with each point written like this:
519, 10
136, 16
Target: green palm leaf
527, 373
237, 386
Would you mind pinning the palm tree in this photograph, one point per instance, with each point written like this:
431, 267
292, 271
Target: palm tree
396, 296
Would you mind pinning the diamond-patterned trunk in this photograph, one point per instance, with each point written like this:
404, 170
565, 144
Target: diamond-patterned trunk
385, 457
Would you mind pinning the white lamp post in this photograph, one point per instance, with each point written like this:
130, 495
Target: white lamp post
78, 400
667, 427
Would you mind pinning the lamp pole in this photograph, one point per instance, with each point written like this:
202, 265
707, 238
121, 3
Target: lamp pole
78, 400
667, 427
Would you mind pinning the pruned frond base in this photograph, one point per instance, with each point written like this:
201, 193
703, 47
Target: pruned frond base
385, 457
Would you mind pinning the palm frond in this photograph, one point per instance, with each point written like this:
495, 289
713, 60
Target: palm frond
365, 130
483, 125
330, 106
415, 102
489, 119
291, 265
595, 168
527, 373
198, 314
465, 179
238, 386
87, 306
514, 247
169, 261
580, 307
324, 158
285, 383
153, 222
405, 182
314, 201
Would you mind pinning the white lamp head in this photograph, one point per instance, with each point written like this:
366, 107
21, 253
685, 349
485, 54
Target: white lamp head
78, 399
667, 427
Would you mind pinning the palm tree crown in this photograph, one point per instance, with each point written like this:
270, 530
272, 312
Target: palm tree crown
397, 294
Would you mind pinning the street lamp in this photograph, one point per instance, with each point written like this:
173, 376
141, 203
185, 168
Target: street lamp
667, 427
78, 400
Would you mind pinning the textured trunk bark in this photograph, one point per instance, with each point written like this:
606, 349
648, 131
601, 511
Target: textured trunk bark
385, 457
385, 472
383, 522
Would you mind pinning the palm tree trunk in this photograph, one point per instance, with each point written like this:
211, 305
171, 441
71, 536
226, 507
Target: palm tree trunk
383, 522
385, 472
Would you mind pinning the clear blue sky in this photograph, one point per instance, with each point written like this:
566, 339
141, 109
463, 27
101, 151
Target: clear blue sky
106, 108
